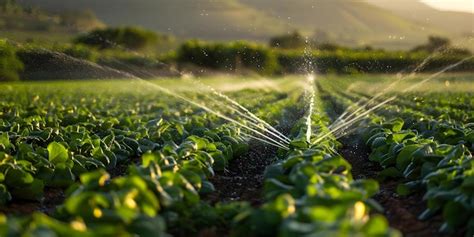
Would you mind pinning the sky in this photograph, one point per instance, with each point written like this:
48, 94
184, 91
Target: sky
458, 5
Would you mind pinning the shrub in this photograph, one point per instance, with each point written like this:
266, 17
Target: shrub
129, 37
345, 61
436, 43
228, 56
232, 56
78, 51
10, 65
289, 41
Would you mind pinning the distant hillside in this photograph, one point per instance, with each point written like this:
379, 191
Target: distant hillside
352, 22
450, 21
19, 23
341, 21
219, 20
14, 17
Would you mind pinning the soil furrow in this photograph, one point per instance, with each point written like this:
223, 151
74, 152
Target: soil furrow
243, 178
401, 211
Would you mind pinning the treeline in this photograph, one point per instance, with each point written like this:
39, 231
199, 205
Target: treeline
353, 62
83, 62
102, 53
97, 54
229, 56
270, 60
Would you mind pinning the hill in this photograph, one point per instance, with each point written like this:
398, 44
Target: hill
341, 21
450, 21
352, 22
31, 23
217, 20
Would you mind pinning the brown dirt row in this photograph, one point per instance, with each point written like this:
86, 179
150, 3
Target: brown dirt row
243, 179
401, 211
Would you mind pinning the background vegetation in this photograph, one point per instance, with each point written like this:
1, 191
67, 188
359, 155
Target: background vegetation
75, 44
10, 65
132, 38
389, 24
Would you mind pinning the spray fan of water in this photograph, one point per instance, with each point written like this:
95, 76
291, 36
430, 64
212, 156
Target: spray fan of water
347, 121
256, 128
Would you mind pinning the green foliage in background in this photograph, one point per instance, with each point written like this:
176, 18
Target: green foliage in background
330, 59
289, 41
78, 51
229, 56
133, 38
101, 58
437, 43
10, 65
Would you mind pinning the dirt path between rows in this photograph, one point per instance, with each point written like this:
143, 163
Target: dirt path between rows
243, 178
401, 212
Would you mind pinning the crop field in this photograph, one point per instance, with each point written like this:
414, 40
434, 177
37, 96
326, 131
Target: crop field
329, 155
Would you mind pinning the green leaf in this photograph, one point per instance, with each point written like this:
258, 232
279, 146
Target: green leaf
390, 172
220, 162
371, 187
4, 142
395, 125
455, 214
403, 190
4, 195
17, 177
98, 178
376, 226
148, 227
406, 155
57, 153
61, 178
274, 187
468, 184
374, 205
273, 171
284, 205
378, 142
299, 143
207, 187
427, 214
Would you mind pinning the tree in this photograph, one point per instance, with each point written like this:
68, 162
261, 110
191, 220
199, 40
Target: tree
434, 43
84, 20
129, 37
321, 36
10, 65
289, 41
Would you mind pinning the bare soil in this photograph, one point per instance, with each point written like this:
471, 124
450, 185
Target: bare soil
52, 198
401, 211
243, 179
